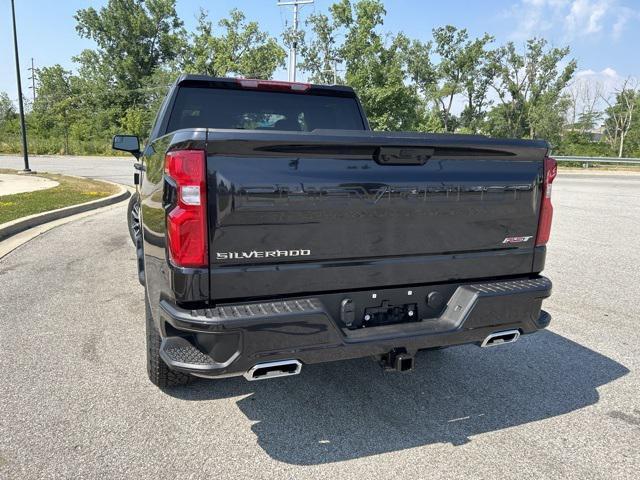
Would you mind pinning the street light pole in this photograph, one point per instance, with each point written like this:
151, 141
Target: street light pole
33, 81
294, 47
23, 129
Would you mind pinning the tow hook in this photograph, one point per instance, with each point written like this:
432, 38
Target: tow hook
397, 360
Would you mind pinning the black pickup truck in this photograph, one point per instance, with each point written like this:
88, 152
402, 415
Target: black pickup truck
277, 230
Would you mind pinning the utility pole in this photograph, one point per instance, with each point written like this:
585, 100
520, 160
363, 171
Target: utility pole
33, 81
23, 128
292, 50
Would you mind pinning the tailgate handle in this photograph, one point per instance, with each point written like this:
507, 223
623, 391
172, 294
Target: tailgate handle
403, 156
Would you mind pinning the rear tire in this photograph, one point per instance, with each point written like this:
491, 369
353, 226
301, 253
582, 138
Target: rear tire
133, 217
159, 373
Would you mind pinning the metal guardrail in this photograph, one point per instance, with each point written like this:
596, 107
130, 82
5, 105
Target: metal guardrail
586, 161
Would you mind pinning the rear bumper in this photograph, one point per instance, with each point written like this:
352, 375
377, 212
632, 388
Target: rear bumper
229, 340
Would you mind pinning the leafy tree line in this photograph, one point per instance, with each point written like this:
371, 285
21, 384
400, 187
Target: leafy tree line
453, 82
141, 47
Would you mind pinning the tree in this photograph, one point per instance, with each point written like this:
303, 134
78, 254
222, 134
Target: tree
242, 49
134, 38
321, 54
621, 114
138, 118
632, 138
460, 71
438, 85
56, 105
7, 109
530, 88
422, 73
9, 125
477, 81
583, 117
377, 71
583, 98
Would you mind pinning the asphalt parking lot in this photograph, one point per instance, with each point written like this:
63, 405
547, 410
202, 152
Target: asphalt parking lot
564, 403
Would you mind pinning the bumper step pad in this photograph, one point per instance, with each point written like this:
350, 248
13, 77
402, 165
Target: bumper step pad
179, 350
180, 354
305, 305
541, 284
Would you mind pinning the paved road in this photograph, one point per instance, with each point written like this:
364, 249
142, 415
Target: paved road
114, 169
564, 403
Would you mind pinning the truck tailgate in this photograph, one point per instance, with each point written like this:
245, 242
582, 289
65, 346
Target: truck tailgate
324, 211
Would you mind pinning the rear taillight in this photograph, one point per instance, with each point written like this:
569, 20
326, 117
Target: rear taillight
546, 209
187, 217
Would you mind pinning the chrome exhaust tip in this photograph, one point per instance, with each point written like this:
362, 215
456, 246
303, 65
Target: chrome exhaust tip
281, 368
501, 338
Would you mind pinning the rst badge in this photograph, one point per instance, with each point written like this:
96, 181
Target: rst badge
517, 239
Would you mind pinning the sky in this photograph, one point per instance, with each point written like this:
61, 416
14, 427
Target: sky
603, 34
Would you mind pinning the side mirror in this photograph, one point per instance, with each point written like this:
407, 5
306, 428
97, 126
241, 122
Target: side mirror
127, 143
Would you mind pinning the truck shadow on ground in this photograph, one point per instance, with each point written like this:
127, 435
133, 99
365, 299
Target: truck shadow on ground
346, 410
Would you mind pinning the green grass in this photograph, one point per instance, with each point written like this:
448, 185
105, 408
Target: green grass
56, 146
154, 219
71, 191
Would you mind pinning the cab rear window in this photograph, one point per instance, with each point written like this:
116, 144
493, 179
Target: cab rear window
262, 110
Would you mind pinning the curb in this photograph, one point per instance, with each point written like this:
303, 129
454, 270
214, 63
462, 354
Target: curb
21, 224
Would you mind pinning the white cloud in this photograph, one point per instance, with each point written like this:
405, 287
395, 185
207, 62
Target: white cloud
590, 88
602, 83
618, 27
573, 18
606, 73
533, 16
586, 16
623, 16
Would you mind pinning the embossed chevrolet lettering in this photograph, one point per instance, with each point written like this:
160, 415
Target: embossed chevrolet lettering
256, 197
262, 254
